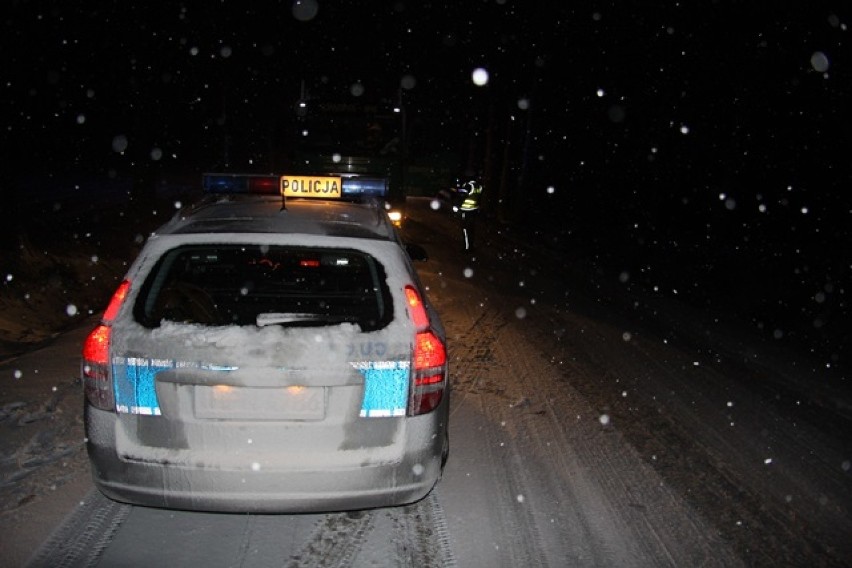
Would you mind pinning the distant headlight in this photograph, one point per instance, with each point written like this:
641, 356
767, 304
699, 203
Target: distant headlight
395, 217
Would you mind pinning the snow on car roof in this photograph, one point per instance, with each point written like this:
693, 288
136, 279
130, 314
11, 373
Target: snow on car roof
264, 214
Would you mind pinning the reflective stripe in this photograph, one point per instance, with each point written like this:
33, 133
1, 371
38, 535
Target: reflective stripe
386, 386
471, 201
135, 384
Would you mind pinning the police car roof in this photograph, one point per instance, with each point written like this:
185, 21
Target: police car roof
264, 214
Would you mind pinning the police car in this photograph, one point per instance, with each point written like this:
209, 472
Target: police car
269, 353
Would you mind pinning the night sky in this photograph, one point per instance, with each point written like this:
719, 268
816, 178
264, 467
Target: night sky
697, 139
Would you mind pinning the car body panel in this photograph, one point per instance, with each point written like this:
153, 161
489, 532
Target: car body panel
267, 418
262, 482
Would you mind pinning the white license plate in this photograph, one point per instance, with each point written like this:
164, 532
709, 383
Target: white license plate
243, 403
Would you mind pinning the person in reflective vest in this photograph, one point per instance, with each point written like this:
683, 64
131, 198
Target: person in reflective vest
471, 192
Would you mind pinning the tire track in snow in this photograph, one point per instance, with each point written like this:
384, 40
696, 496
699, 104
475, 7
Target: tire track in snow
475, 366
336, 540
630, 517
563, 490
81, 539
707, 435
576, 517
584, 495
420, 535
411, 536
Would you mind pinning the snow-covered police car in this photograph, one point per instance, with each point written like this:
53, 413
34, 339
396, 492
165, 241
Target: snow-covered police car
269, 353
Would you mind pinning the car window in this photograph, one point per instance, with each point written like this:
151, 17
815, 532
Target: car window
265, 285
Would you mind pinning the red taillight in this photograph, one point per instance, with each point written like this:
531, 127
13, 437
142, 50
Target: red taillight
416, 308
428, 351
309, 263
97, 380
97, 383
429, 376
116, 301
96, 347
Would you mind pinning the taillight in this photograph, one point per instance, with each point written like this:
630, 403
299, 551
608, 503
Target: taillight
116, 301
96, 347
416, 308
95, 368
97, 379
429, 369
429, 351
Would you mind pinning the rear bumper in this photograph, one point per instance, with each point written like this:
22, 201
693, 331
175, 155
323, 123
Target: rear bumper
259, 490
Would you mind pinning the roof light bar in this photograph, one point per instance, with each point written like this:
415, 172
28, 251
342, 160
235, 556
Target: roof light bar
351, 187
241, 183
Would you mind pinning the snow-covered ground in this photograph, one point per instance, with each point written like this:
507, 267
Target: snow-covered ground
591, 424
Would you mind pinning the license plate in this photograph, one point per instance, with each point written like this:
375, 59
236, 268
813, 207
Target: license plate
242, 403
324, 187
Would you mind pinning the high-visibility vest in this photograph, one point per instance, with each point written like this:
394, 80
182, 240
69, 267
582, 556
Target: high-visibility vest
471, 201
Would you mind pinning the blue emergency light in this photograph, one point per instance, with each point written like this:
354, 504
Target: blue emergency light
367, 187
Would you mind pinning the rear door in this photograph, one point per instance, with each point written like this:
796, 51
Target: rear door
241, 354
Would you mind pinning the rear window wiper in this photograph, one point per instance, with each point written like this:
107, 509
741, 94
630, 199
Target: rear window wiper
278, 318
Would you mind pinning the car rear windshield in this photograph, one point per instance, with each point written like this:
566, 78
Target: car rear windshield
265, 285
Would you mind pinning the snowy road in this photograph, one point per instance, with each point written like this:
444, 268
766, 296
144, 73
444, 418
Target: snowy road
586, 430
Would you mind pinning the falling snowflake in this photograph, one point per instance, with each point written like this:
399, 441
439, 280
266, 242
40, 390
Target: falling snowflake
479, 77
119, 144
819, 61
305, 10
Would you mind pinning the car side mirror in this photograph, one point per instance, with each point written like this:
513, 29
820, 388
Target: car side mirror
416, 252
